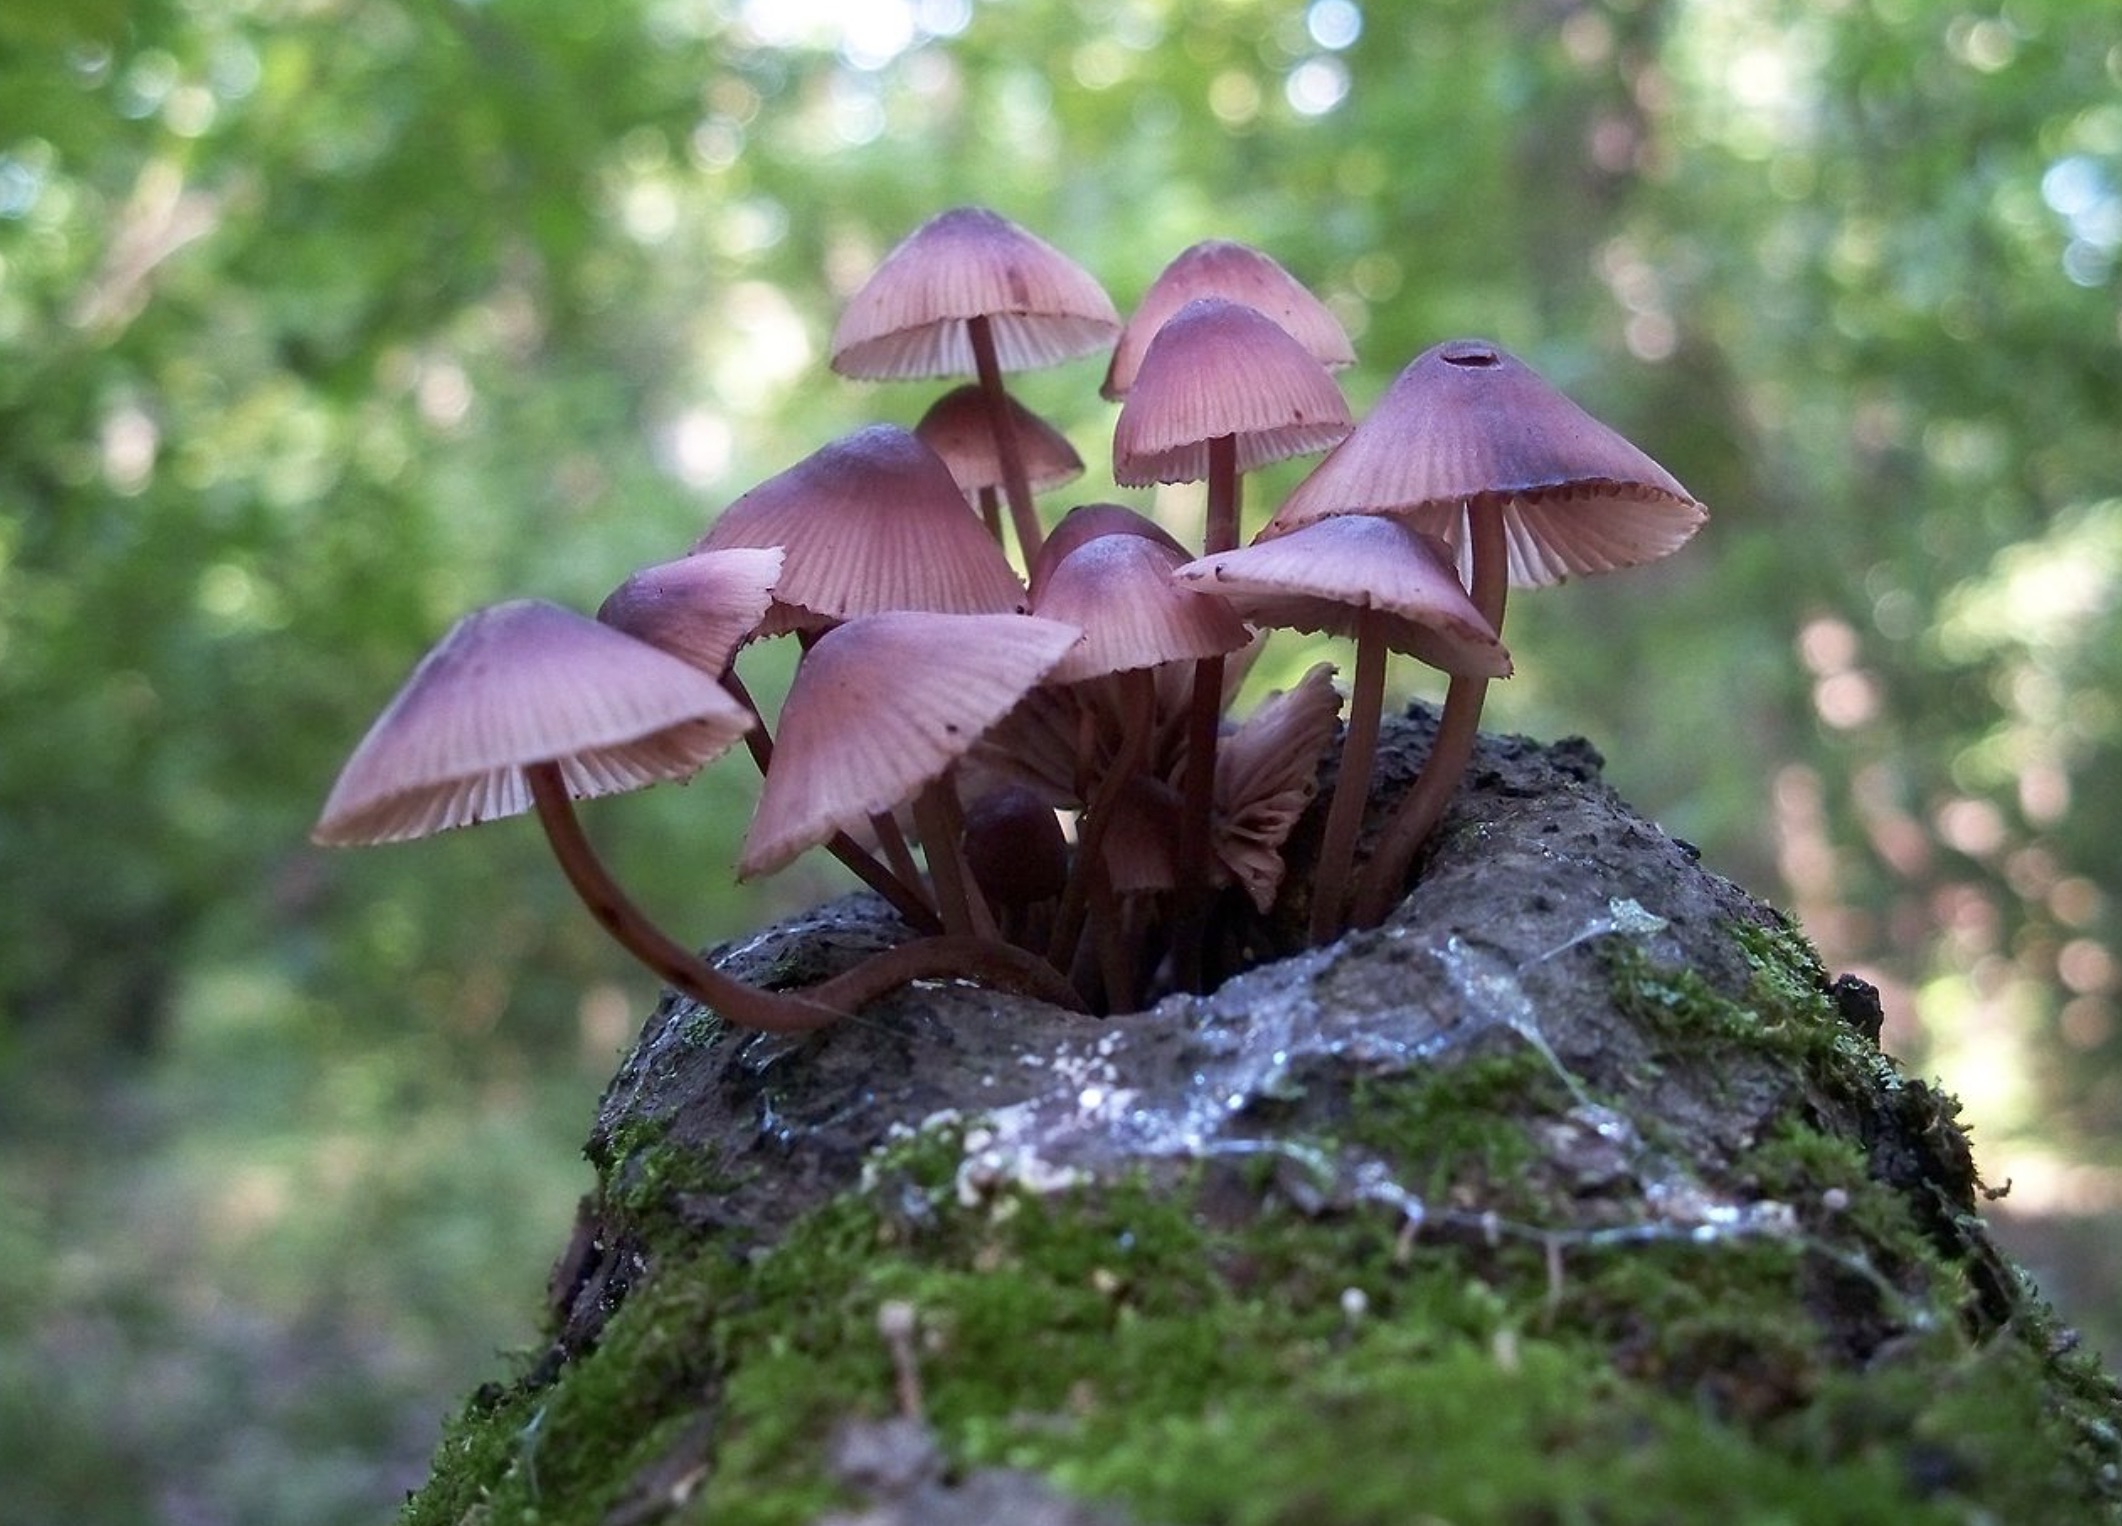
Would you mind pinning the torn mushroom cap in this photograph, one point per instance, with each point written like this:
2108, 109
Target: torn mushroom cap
1220, 370
871, 522
1119, 590
956, 427
1470, 423
1320, 577
516, 684
909, 318
881, 706
698, 607
1220, 268
1267, 772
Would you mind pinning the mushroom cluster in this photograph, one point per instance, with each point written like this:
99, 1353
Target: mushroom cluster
1037, 771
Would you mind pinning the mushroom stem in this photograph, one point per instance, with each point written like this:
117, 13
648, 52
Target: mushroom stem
1422, 807
901, 890
678, 966
942, 824
990, 512
1138, 709
939, 958
1359, 747
1016, 486
1220, 533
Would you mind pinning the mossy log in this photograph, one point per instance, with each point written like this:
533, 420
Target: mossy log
1576, 1192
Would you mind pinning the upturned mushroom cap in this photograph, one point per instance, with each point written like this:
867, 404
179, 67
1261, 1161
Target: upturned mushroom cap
1220, 268
1467, 422
1320, 577
909, 317
1267, 772
1218, 369
1119, 590
881, 706
516, 684
698, 607
957, 428
871, 522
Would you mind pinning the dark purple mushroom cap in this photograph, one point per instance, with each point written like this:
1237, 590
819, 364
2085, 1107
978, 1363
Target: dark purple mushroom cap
1467, 422
516, 684
957, 427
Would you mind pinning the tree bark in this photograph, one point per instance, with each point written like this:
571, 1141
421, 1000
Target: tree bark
1575, 1190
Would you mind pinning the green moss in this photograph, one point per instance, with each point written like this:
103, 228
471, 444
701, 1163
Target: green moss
1195, 1350
1199, 1349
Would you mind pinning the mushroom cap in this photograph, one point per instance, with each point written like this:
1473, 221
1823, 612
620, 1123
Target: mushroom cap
1220, 268
1088, 521
698, 607
871, 522
909, 318
1119, 589
1321, 577
958, 428
516, 684
881, 706
1215, 369
1468, 422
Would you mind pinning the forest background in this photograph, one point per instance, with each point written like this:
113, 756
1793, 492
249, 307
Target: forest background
323, 322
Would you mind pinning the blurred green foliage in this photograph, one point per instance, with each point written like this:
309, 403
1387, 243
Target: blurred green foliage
322, 323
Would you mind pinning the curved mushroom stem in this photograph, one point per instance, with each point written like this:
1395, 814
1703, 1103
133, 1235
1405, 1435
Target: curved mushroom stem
1422, 807
1359, 747
941, 958
903, 894
1016, 486
677, 965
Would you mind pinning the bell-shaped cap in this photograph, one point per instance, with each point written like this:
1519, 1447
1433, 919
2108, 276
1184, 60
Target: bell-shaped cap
909, 318
1086, 522
1220, 370
1267, 772
1242, 274
1119, 590
516, 684
1321, 577
871, 522
1468, 422
881, 706
698, 607
958, 427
